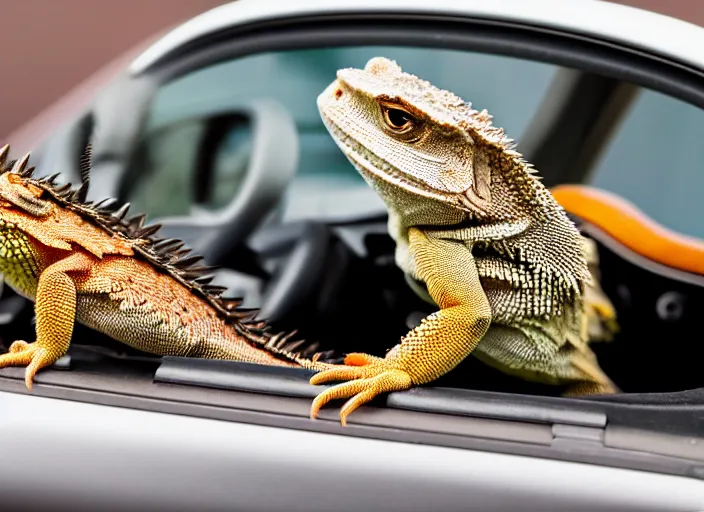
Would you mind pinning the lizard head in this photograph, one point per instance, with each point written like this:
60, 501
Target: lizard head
401, 130
17, 192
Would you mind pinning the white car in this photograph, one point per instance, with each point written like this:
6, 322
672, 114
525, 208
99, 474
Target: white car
213, 130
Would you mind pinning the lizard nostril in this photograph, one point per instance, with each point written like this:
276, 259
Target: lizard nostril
338, 94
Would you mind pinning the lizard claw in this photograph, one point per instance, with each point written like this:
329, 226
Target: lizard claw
368, 377
31, 355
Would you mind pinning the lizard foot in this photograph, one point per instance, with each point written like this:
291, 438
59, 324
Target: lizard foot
31, 355
368, 377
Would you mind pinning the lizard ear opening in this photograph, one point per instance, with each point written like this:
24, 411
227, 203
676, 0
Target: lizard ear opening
478, 195
13, 191
481, 182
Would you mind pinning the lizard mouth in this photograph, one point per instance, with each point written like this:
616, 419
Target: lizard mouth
369, 163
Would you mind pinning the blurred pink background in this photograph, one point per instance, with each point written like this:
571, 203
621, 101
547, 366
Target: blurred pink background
50, 46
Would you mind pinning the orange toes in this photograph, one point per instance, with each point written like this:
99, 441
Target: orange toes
18, 346
361, 390
336, 373
19, 354
355, 403
360, 359
30, 355
40, 359
335, 393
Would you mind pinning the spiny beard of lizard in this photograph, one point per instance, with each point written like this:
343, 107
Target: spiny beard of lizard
439, 164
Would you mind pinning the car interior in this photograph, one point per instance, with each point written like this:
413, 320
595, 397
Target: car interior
245, 172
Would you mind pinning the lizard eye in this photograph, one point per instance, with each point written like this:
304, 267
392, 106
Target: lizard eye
397, 119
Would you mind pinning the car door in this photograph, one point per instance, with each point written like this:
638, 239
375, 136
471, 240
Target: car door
218, 139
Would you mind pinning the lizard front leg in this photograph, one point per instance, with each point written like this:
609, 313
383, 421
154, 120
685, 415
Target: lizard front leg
433, 348
55, 309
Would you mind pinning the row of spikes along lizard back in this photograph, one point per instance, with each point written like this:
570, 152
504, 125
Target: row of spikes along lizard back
168, 255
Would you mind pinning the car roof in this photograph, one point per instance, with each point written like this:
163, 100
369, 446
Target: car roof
637, 28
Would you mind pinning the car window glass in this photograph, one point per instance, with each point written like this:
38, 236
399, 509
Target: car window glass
654, 162
164, 166
230, 164
168, 165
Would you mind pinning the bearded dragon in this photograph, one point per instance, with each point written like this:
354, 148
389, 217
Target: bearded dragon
90, 263
475, 228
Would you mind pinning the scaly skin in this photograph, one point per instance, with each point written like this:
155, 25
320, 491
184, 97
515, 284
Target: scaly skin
472, 223
80, 262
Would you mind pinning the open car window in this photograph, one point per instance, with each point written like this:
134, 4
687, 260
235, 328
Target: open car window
325, 193
326, 185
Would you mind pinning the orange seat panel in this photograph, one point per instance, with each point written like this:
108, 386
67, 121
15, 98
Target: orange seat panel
629, 226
